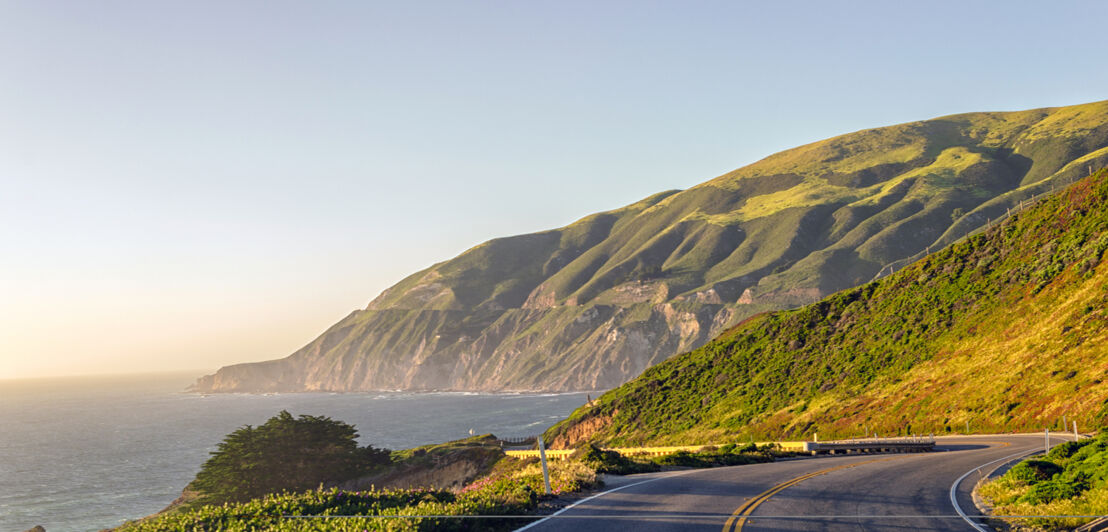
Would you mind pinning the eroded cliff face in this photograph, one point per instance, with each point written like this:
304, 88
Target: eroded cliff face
593, 304
591, 347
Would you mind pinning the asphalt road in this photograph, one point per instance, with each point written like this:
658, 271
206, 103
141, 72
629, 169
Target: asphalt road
877, 492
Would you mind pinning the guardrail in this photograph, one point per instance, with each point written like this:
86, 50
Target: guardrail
561, 454
868, 445
517, 441
551, 454
912, 444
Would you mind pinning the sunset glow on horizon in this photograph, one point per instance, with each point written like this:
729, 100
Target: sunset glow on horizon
192, 185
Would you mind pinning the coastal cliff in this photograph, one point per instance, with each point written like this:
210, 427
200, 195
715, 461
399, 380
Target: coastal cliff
593, 304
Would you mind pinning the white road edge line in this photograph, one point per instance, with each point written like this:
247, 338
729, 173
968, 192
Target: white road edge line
954, 487
587, 499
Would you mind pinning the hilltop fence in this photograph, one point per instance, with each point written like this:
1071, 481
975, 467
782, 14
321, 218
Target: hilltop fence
994, 211
518, 441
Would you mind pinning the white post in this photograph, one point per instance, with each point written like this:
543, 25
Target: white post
967, 426
545, 471
1075, 436
1047, 442
815, 437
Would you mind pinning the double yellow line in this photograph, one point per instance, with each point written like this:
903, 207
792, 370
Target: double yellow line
738, 518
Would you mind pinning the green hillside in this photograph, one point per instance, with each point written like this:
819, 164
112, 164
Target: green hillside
1006, 330
595, 303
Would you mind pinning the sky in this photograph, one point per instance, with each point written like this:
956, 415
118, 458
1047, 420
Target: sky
186, 185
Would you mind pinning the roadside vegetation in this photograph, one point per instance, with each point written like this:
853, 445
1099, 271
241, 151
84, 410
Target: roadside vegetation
514, 490
497, 485
1071, 480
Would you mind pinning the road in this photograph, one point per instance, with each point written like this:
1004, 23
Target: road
878, 492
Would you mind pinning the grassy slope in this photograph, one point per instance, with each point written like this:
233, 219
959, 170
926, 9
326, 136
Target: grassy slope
708, 235
1005, 329
577, 307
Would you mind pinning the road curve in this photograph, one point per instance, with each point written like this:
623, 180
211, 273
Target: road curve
877, 492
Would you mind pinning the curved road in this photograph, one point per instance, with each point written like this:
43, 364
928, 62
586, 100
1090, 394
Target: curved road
877, 492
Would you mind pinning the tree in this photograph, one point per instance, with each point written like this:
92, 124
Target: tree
284, 453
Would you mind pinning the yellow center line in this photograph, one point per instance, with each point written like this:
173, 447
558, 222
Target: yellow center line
738, 518
998, 443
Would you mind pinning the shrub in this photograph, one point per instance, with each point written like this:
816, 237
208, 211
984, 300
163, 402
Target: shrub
1052, 490
611, 462
748, 454
681, 458
1032, 471
732, 459
1065, 450
1092, 466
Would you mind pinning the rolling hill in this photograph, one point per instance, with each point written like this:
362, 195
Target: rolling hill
1006, 330
593, 304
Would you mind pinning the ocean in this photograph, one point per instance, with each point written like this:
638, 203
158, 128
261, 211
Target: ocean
87, 453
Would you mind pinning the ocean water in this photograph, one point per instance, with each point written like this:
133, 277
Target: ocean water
88, 453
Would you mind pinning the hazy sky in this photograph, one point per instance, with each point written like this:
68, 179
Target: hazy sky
185, 185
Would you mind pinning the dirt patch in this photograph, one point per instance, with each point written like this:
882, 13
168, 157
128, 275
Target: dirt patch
446, 466
580, 432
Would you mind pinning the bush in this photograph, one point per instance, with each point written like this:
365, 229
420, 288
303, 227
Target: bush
1092, 466
750, 448
730, 459
1052, 490
1065, 450
611, 462
284, 454
728, 455
681, 458
1032, 471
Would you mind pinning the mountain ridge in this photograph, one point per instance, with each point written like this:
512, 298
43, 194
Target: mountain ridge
1003, 331
592, 304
